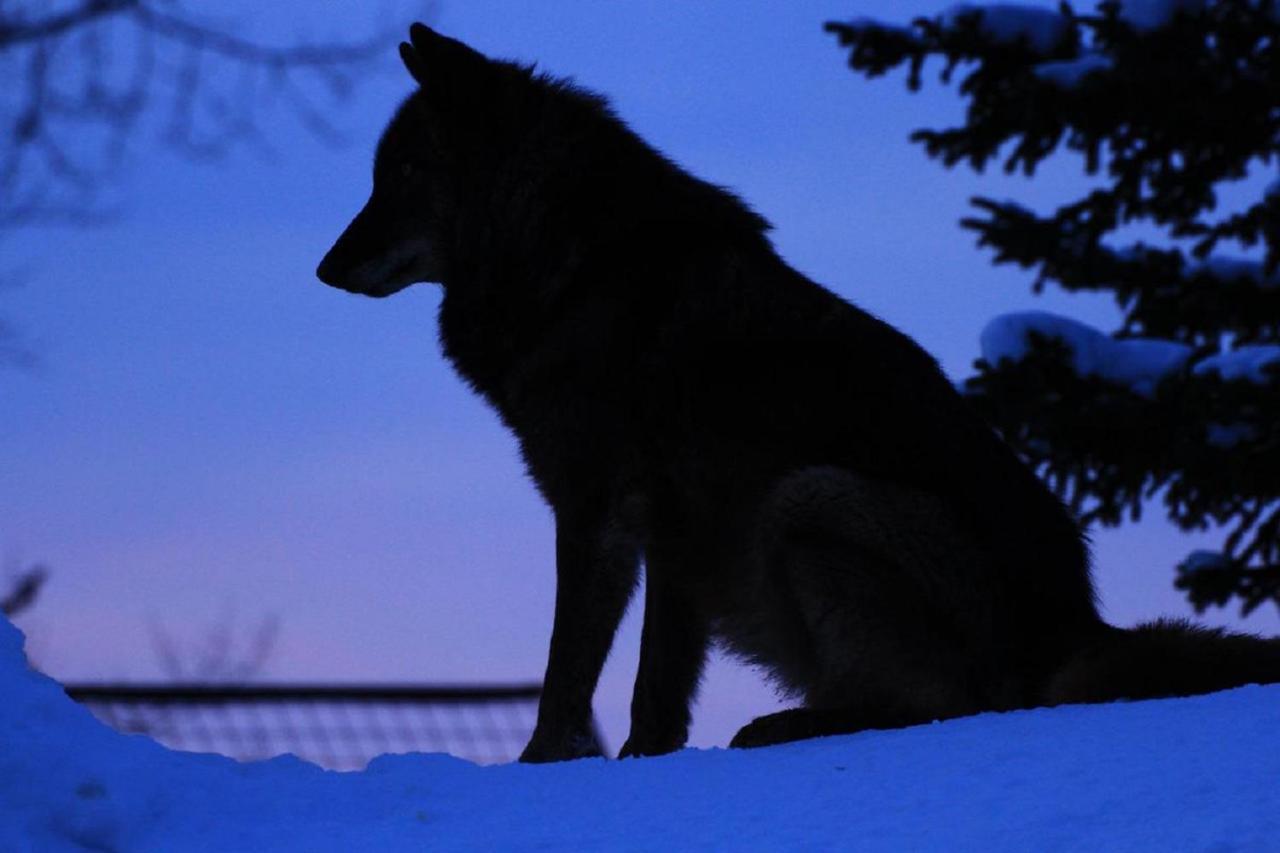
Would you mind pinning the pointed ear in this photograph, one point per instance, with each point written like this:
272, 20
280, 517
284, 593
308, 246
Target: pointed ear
413, 63
438, 61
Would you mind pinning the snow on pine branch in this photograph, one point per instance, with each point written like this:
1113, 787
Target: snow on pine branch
1041, 30
1254, 362
1068, 73
1138, 363
1044, 29
1111, 421
1226, 268
862, 22
1061, 40
1204, 561
1147, 15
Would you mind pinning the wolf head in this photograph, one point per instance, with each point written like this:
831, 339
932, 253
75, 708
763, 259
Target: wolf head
400, 237
493, 176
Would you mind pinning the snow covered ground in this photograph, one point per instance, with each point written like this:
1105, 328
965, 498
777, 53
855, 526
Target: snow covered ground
1188, 774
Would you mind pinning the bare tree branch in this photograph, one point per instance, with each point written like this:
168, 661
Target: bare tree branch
82, 78
205, 39
221, 654
19, 32
23, 590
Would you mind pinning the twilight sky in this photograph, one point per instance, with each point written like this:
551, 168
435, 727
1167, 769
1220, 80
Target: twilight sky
213, 435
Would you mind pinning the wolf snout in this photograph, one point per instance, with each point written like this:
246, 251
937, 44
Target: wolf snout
341, 277
349, 256
337, 270
327, 272
377, 277
337, 274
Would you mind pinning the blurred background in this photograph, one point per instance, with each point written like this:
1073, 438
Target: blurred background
232, 471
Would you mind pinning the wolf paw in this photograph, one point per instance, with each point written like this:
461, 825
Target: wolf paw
544, 750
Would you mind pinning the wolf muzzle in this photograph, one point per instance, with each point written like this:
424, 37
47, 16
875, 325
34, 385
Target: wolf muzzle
366, 260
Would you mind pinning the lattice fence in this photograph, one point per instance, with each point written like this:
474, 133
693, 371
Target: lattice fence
338, 727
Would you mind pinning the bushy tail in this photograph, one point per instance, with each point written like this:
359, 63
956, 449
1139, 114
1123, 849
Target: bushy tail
1168, 657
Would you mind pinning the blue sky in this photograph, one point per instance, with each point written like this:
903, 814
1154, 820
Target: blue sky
214, 432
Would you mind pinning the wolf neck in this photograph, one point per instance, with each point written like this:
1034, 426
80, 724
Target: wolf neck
539, 260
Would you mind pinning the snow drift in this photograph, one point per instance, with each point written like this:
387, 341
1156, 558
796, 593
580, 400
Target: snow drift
1186, 774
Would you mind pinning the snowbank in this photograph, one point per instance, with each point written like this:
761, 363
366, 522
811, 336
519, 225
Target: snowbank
1190, 774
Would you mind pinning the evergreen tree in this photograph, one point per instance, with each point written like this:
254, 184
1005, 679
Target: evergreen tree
1166, 101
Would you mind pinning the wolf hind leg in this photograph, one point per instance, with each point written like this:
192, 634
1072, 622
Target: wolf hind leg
892, 597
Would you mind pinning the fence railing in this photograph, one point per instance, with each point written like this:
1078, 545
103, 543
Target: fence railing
340, 727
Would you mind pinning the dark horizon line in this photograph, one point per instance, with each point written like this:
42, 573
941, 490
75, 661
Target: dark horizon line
173, 692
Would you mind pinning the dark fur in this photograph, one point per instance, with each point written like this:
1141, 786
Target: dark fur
800, 480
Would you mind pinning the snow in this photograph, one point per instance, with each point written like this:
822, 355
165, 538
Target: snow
1184, 774
1229, 268
1200, 561
1068, 73
1257, 363
1227, 436
1010, 23
1146, 15
1137, 363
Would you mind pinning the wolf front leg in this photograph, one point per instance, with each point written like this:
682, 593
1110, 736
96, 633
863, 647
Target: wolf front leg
673, 649
595, 577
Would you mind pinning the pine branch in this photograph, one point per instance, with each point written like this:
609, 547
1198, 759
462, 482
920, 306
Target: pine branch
1164, 103
1163, 292
1209, 447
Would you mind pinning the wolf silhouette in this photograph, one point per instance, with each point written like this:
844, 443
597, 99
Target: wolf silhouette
800, 481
